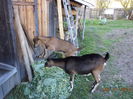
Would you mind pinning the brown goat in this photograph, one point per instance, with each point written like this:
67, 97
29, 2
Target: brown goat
55, 44
89, 63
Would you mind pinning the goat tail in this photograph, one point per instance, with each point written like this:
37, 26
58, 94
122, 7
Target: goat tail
106, 56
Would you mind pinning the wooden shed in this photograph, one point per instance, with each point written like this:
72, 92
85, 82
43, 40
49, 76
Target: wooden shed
10, 70
20, 21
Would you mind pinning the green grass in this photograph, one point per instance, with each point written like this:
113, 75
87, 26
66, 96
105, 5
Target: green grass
94, 34
95, 42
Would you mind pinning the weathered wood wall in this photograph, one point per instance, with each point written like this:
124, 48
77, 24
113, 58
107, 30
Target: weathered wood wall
26, 13
6, 46
9, 74
27, 17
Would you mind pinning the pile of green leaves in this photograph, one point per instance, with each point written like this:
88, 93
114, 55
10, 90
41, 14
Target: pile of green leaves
48, 83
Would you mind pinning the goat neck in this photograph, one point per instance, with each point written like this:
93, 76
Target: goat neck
57, 62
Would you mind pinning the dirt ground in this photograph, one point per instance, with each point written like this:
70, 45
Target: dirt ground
122, 53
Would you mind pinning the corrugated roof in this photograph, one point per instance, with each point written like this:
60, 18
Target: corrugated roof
84, 2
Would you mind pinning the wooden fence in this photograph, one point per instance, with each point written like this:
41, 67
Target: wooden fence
94, 13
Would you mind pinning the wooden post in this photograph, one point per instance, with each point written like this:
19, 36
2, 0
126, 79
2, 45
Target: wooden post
60, 19
84, 21
77, 20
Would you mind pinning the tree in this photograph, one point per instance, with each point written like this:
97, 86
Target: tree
102, 5
128, 7
130, 16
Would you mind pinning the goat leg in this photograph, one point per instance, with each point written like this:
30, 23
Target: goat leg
94, 83
72, 81
97, 81
94, 87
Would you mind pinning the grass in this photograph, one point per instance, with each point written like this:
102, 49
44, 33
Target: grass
95, 42
94, 34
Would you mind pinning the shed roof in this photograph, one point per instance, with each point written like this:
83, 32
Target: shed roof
84, 2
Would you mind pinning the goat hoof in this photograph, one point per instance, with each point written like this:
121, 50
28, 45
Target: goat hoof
91, 91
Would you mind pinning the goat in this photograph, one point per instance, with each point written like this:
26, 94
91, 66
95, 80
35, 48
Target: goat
86, 64
55, 44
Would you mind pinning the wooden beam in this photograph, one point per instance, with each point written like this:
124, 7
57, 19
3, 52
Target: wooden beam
84, 21
23, 3
60, 19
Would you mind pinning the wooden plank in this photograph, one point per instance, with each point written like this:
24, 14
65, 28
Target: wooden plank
6, 66
43, 7
9, 84
5, 87
39, 16
60, 19
22, 70
7, 75
29, 51
23, 18
30, 41
30, 21
22, 13
36, 18
52, 18
55, 19
45, 18
23, 3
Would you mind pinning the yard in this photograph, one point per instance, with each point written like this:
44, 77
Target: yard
114, 37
